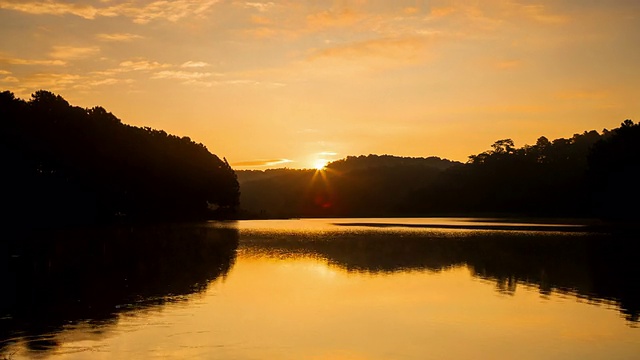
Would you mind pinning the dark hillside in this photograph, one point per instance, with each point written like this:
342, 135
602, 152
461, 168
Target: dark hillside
588, 175
373, 185
65, 164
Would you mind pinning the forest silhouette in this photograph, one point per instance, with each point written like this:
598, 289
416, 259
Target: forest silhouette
68, 165
588, 175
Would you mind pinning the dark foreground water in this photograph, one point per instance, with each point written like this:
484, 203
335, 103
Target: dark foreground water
321, 289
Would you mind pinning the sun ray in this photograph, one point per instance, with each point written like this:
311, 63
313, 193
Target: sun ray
320, 164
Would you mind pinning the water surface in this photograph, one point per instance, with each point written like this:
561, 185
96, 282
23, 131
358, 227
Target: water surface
321, 288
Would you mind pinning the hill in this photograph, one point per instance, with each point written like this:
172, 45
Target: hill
66, 165
590, 174
373, 185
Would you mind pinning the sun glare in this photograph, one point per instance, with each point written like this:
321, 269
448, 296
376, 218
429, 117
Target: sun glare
320, 164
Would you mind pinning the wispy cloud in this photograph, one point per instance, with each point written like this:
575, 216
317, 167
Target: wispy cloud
182, 75
59, 82
54, 81
140, 65
9, 79
194, 64
259, 163
38, 62
73, 53
118, 37
238, 82
168, 10
260, 6
141, 12
50, 8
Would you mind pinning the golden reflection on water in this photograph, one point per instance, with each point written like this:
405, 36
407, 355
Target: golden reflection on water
289, 296
302, 308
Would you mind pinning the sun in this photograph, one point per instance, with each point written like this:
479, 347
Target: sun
320, 164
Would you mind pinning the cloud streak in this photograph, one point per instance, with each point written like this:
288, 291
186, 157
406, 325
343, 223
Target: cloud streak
260, 163
137, 65
37, 62
182, 75
73, 53
118, 37
140, 12
194, 64
50, 8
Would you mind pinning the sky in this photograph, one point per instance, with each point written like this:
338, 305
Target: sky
293, 83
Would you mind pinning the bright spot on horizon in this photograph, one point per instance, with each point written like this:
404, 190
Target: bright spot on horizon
320, 164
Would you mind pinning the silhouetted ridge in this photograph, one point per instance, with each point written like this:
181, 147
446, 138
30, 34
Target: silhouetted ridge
587, 175
66, 164
373, 185
351, 163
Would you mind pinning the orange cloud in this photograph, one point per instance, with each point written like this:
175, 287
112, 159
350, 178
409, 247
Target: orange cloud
140, 12
262, 7
9, 79
182, 75
73, 53
19, 61
259, 163
137, 65
194, 64
50, 8
118, 37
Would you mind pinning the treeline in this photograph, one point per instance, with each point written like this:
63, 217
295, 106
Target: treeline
370, 186
64, 164
588, 175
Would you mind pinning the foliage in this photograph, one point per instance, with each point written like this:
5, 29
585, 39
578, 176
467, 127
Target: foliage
373, 185
68, 164
589, 174
614, 173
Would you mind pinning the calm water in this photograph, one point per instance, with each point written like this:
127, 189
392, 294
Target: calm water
321, 289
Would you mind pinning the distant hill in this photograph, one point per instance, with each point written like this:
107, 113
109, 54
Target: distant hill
372, 185
351, 163
590, 174
64, 164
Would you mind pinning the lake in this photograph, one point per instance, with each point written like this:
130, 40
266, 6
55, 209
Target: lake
423, 288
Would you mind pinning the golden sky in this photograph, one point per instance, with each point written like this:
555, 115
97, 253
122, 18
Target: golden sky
285, 83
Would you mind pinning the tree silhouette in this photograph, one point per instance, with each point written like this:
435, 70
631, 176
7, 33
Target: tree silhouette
67, 164
614, 173
588, 174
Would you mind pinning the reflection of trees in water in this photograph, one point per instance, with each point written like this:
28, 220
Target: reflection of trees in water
55, 279
598, 267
